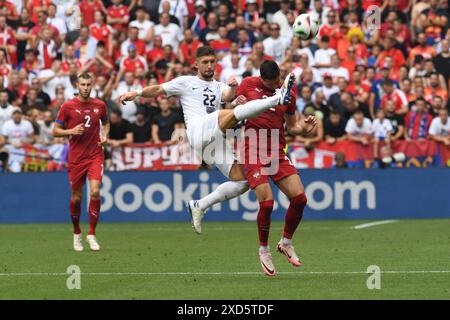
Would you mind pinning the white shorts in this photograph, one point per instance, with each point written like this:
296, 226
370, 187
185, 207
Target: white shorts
208, 141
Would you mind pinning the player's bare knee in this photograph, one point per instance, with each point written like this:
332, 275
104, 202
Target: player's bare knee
95, 194
76, 197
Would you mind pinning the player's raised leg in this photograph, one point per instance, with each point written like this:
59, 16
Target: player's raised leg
75, 212
293, 188
229, 118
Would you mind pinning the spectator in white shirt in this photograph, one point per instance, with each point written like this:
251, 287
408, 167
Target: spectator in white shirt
234, 71
144, 25
382, 130
336, 70
323, 55
128, 84
276, 45
328, 87
18, 131
280, 18
170, 33
6, 109
359, 128
50, 78
178, 9
55, 21
440, 128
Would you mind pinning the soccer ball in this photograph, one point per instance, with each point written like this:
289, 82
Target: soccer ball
306, 26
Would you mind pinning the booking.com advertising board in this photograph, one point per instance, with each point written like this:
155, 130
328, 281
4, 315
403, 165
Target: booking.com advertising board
161, 196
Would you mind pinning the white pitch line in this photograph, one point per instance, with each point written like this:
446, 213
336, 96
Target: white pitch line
18, 274
372, 224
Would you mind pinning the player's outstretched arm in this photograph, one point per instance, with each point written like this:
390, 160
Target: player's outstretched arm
147, 92
304, 126
59, 131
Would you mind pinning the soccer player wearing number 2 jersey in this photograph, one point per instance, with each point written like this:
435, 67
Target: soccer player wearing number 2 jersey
85, 121
200, 98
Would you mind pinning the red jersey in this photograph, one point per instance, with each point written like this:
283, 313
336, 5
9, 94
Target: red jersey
74, 112
253, 88
399, 98
118, 12
34, 6
189, 50
326, 30
101, 32
131, 65
88, 10
154, 55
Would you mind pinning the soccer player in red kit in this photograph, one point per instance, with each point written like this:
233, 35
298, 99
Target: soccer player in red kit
283, 173
85, 121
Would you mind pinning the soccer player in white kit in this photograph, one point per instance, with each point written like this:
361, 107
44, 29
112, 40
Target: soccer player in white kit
201, 97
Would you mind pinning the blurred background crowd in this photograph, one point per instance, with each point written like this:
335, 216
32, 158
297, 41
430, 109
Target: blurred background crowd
365, 84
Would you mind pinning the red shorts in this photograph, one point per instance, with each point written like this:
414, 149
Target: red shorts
257, 173
92, 169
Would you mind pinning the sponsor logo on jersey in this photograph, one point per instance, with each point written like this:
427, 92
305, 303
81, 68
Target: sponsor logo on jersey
96, 110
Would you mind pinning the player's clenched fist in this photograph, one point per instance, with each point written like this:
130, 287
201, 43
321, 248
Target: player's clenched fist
232, 82
128, 96
78, 130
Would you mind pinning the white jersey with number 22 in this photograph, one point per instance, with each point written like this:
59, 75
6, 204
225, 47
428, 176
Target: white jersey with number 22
197, 97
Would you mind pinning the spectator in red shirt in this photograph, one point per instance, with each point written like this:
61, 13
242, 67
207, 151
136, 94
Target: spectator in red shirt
10, 8
8, 41
133, 61
88, 9
30, 64
389, 51
360, 90
396, 95
36, 6
434, 88
102, 31
417, 122
222, 45
118, 16
5, 67
46, 47
133, 38
350, 61
189, 47
331, 29
101, 64
157, 53
70, 57
426, 51
36, 31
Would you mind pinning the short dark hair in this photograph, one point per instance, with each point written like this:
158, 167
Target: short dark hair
421, 99
85, 75
269, 70
205, 52
325, 39
387, 82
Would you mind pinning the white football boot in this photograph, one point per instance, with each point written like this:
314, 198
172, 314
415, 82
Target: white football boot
93, 244
77, 242
196, 216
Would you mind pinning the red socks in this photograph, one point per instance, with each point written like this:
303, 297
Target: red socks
263, 220
293, 215
75, 212
94, 214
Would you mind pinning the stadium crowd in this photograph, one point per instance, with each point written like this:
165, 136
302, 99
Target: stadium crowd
364, 83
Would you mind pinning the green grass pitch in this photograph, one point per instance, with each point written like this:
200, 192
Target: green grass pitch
169, 261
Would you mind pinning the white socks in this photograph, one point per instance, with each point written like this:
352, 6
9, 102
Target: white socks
225, 191
254, 108
286, 241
